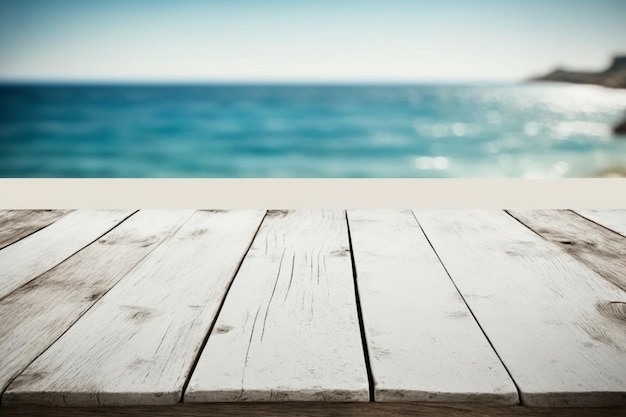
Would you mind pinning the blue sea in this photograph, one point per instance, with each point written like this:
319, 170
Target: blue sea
336, 131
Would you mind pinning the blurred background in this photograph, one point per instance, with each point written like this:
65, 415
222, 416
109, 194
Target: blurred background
348, 88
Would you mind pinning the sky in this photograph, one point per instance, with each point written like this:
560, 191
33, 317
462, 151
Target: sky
305, 41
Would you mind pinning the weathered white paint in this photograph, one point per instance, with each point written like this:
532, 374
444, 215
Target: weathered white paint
424, 344
138, 343
600, 249
611, 219
557, 326
37, 253
289, 328
35, 315
17, 224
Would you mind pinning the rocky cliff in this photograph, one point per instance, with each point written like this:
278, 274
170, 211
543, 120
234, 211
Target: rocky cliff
614, 76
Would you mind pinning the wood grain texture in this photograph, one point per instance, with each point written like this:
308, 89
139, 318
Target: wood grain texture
288, 330
314, 409
611, 219
35, 315
557, 326
597, 247
17, 224
424, 344
136, 345
37, 253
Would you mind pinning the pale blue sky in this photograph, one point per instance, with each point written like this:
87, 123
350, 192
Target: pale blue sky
295, 40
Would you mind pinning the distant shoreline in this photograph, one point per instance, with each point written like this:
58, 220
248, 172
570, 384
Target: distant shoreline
614, 172
612, 77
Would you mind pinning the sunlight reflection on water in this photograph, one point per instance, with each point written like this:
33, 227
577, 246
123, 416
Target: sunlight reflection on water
523, 131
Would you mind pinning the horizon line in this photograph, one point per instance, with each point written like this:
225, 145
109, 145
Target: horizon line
217, 81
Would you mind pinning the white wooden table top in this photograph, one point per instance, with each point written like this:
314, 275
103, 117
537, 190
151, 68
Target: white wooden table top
157, 307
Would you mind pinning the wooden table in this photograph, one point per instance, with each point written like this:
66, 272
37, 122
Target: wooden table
312, 312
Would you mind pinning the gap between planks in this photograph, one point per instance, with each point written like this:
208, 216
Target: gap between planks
32, 256
613, 220
599, 248
218, 311
359, 309
16, 225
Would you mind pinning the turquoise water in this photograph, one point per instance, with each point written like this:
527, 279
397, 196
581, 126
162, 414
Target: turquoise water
522, 131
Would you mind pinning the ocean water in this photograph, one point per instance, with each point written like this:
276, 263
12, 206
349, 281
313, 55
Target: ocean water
235, 131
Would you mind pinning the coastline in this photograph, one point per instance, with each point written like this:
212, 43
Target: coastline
614, 172
612, 77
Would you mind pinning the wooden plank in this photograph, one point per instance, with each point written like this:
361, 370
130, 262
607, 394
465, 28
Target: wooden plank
35, 315
614, 220
600, 249
289, 329
424, 344
37, 253
317, 409
136, 345
557, 326
17, 224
